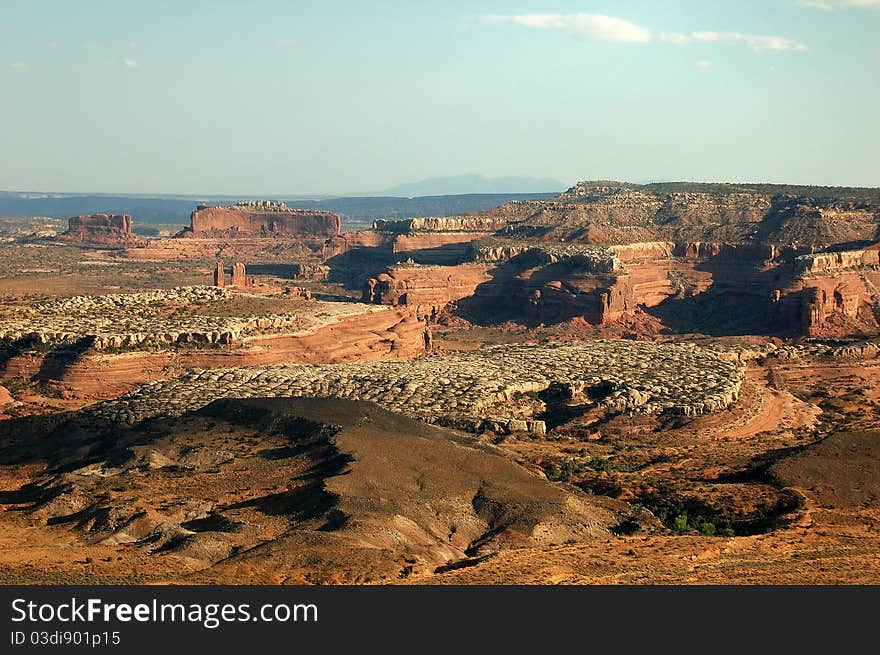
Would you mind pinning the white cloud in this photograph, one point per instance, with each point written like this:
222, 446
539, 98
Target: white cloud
828, 5
702, 64
675, 37
130, 63
592, 26
608, 28
20, 65
757, 42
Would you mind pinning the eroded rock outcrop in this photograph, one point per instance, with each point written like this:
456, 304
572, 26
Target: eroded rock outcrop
102, 230
480, 389
261, 219
842, 304
101, 346
315, 272
836, 261
298, 292
689, 286
466, 223
424, 286
442, 240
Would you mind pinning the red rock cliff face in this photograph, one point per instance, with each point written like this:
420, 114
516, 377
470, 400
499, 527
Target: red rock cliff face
424, 286
101, 229
262, 219
830, 294
550, 293
690, 286
836, 305
341, 244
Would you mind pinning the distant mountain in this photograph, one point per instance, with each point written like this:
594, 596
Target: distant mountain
360, 211
472, 183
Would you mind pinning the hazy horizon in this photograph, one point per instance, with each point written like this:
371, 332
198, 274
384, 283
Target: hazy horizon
529, 185
339, 98
390, 192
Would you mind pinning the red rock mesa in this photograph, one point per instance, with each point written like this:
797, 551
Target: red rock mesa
101, 229
261, 218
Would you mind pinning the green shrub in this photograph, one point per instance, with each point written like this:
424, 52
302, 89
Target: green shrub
554, 474
708, 528
600, 464
680, 524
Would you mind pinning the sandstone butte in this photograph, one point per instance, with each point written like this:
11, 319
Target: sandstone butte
101, 230
262, 218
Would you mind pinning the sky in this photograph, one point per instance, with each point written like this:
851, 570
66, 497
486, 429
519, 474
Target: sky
330, 97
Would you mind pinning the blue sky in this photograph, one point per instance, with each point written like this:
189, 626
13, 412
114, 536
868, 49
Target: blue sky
285, 97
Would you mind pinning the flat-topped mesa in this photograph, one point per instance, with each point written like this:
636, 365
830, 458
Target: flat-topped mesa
260, 219
101, 229
761, 214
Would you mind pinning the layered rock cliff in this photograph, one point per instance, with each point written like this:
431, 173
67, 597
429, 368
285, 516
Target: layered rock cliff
719, 258
101, 230
467, 223
261, 219
615, 213
712, 287
428, 287
831, 294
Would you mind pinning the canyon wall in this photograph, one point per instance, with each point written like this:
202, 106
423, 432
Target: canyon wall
763, 259
424, 286
434, 247
343, 243
838, 261
709, 286
548, 293
833, 294
453, 243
